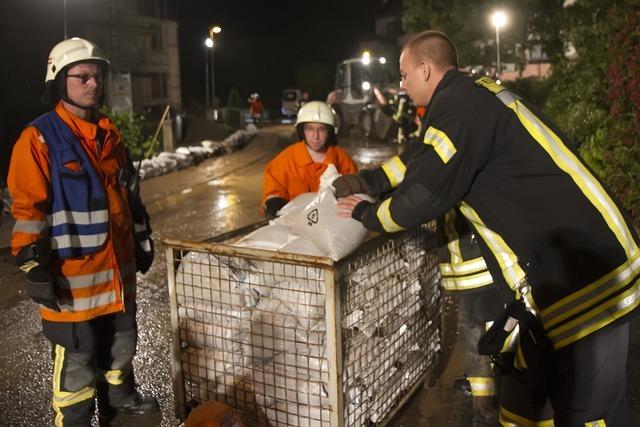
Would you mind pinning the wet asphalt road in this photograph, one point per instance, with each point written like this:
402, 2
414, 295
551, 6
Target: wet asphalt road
216, 196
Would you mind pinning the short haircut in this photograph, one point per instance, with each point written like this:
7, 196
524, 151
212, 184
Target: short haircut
434, 46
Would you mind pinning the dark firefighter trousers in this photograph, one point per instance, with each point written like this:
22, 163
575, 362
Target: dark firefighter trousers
92, 358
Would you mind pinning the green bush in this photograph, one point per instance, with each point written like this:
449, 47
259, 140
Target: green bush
533, 90
130, 126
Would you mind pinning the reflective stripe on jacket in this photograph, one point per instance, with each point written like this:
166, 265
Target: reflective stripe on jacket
88, 285
293, 172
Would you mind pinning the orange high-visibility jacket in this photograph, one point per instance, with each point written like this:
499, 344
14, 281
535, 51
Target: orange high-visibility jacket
92, 285
293, 172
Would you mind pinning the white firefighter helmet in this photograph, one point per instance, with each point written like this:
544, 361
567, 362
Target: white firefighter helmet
317, 112
71, 51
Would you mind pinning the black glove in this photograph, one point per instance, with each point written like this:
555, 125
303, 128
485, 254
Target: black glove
33, 260
347, 185
143, 241
272, 205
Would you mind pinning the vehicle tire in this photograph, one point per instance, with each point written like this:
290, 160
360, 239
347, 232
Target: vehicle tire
343, 127
367, 125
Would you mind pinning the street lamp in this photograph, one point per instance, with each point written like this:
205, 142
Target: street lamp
64, 12
499, 20
213, 30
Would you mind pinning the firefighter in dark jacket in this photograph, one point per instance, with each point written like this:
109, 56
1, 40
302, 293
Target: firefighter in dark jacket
548, 227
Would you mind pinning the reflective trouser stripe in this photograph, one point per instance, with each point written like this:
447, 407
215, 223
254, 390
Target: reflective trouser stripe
31, 226
384, 216
509, 419
63, 399
115, 377
598, 423
395, 170
482, 386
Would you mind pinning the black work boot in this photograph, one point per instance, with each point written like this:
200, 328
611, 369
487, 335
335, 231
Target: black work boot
137, 404
462, 385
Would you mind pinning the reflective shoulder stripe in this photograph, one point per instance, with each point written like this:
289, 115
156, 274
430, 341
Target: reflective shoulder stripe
441, 143
467, 282
569, 163
384, 216
590, 295
79, 218
596, 318
489, 84
509, 419
395, 170
506, 258
85, 280
597, 423
32, 226
482, 386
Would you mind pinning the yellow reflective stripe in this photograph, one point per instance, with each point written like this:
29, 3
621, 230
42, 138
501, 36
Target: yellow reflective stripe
398, 113
592, 294
505, 256
467, 267
114, 377
509, 419
63, 399
395, 171
488, 83
569, 163
482, 386
512, 340
519, 361
596, 318
452, 236
384, 216
440, 142
28, 266
597, 423
467, 282
31, 226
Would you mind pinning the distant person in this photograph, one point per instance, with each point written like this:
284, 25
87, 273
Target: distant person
255, 108
80, 235
297, 169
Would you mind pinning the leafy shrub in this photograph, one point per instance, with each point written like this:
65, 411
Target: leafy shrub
131, 127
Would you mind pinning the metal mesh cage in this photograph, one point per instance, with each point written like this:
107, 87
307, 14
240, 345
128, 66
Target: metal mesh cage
297, 340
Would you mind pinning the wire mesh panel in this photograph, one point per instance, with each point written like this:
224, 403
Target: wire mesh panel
298, 340
390, 299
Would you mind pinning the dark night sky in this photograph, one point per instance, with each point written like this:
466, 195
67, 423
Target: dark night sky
262, 42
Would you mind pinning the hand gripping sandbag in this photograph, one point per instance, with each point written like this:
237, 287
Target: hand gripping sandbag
319, 222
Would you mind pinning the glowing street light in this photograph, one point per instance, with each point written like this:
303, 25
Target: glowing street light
499, 20
209, 42
366, 57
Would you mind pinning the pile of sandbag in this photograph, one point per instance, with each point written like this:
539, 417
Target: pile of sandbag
186, 156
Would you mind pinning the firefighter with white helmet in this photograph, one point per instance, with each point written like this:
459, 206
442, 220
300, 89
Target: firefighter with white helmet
80, 236
298, 168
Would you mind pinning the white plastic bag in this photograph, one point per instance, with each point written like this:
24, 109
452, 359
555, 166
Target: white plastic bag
289, 212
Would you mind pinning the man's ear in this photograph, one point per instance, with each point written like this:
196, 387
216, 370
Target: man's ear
425, 69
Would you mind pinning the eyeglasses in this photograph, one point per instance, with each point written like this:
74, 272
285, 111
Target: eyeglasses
84, 78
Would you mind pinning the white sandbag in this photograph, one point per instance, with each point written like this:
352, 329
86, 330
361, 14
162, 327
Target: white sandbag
337, 237
289, 212
270, 237
300, 245
204, 278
